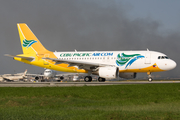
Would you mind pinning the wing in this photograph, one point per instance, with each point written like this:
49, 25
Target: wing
80, 64
28, 74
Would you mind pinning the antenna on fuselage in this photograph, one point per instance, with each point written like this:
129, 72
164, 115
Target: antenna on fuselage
147, 49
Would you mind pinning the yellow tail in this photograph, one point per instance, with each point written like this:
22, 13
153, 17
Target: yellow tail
30, 44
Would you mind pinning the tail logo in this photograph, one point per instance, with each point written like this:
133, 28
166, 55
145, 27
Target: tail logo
129, 59
28, 43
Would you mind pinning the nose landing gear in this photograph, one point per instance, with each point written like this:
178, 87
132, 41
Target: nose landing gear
149, 76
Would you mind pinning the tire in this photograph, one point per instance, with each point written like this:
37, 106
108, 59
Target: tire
100, 79
88, 79
150, 79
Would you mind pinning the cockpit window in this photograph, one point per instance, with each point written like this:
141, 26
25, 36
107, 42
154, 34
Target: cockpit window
163, 57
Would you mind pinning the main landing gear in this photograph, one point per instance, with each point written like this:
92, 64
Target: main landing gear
88, 79
100, 79
149, 76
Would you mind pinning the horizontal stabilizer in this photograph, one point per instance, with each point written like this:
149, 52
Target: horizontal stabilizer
23, 57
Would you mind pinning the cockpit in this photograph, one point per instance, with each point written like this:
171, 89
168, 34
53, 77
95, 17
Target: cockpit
163, 57
47, 71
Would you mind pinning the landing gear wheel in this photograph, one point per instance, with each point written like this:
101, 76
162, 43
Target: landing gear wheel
100, 79
88, 79
150, 79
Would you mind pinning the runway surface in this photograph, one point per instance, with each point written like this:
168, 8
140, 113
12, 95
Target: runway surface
66, 84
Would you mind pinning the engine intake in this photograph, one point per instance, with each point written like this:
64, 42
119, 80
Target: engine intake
61, 77
38, 78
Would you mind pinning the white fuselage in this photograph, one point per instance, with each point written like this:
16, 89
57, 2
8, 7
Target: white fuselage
49, 73
130, 60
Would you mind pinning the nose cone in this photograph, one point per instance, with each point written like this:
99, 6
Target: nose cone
167, 64
172, 64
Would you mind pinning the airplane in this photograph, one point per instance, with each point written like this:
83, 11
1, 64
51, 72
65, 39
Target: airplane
13, 77
105, 64
48, 74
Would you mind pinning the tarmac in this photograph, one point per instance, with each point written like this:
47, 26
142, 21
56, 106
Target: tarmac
67, 84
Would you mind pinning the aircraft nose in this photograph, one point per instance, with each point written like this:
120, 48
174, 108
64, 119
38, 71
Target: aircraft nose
169, 65
172, 64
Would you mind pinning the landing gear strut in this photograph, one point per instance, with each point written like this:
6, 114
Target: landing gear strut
149, 76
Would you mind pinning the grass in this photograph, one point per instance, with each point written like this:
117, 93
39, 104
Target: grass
116, 102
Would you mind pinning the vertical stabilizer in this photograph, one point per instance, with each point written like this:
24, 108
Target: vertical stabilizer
25, 73
29, 42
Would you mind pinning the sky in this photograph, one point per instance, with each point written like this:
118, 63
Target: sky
91, 25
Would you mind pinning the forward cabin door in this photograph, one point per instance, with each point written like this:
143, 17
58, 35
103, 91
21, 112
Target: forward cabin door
148, 58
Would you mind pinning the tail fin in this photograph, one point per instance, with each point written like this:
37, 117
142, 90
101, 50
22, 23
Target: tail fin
29, 42
25, 72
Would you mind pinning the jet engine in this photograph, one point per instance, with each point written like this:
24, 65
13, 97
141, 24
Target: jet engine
61, 77
38, 78
108, 72
127, 75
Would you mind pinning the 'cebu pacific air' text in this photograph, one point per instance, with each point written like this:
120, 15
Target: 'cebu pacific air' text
84, 54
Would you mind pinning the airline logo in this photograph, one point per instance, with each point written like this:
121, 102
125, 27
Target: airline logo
85, 54
123, 59
28, 43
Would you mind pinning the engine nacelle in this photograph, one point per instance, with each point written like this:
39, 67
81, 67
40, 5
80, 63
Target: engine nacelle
38, 78
127, 75
61, 77
108, 72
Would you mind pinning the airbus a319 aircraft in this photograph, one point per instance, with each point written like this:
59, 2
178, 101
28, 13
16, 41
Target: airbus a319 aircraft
105, 64
48, 75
